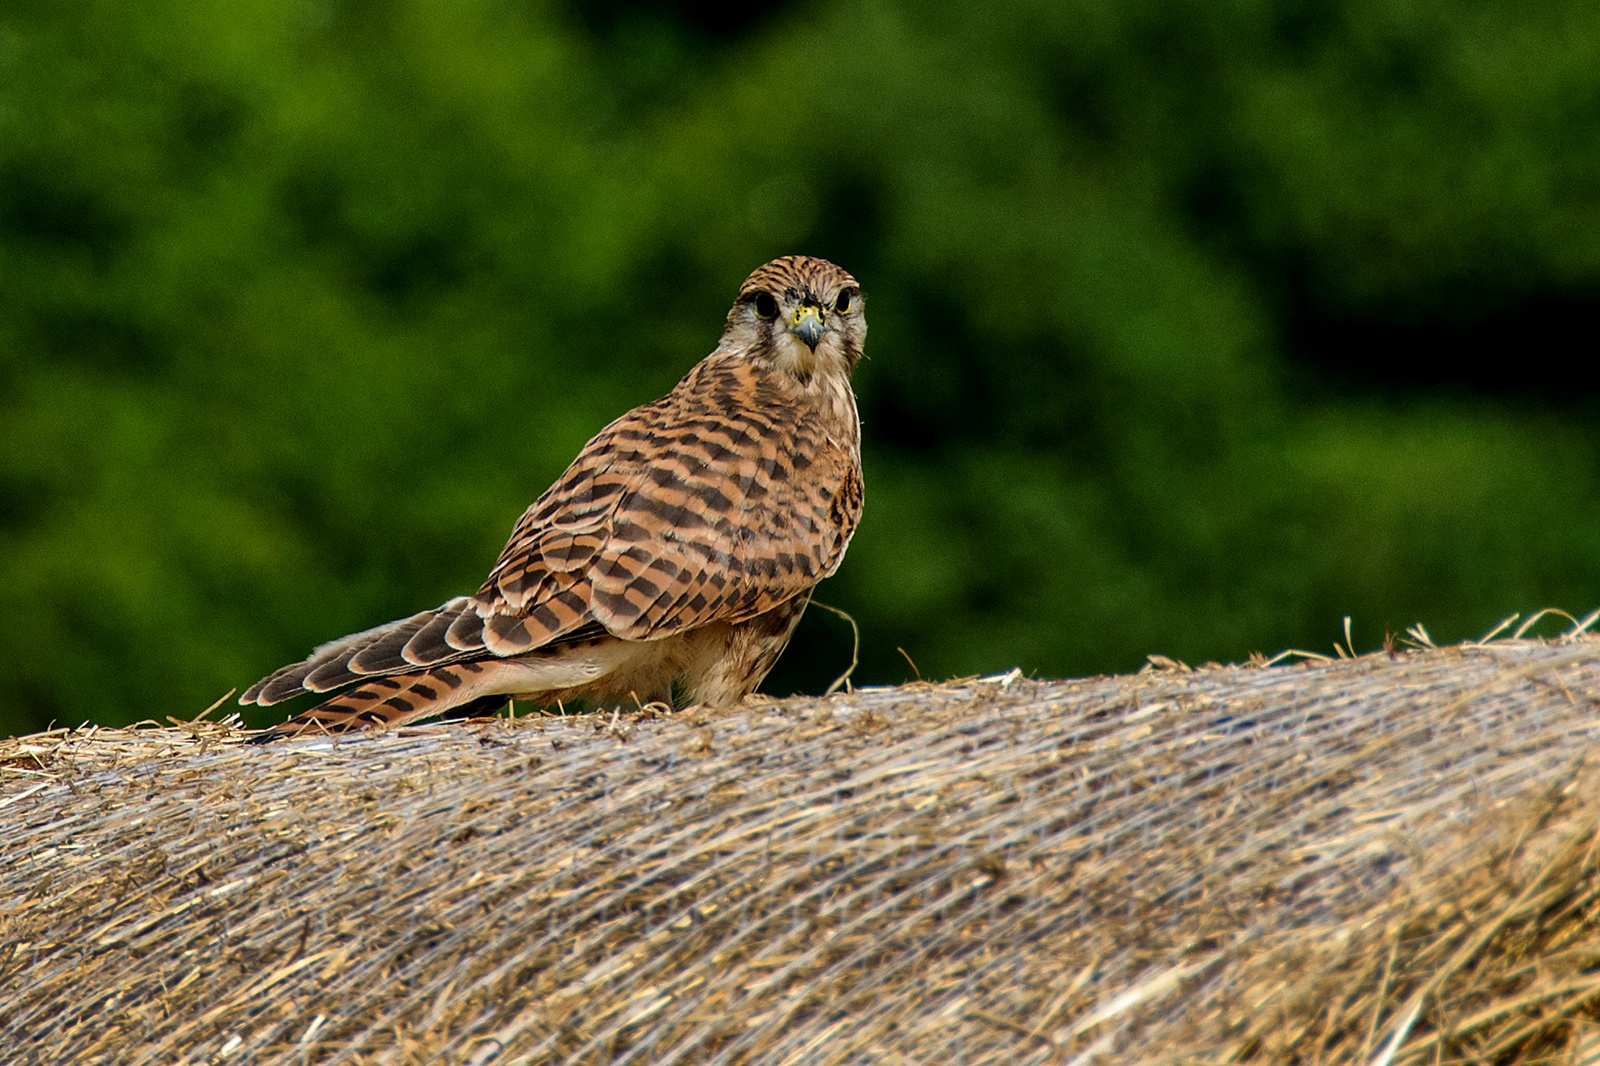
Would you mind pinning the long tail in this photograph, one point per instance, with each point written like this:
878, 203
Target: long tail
449, 633
392, 700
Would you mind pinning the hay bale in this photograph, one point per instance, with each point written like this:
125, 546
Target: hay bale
1385, 860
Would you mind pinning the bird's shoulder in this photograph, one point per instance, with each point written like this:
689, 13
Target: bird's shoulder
729, 415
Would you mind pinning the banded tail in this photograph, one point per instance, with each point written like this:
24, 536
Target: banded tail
392, 700
408, 669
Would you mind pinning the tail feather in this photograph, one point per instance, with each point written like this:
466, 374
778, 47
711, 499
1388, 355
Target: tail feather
393, 647
393, 700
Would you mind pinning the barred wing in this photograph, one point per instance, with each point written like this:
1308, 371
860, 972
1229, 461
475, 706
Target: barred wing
718, 502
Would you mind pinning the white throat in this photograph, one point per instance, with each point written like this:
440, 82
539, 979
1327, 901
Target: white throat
799, 359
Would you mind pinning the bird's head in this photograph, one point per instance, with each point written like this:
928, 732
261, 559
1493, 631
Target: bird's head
805, 315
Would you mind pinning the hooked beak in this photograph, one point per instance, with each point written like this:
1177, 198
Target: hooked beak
807, 324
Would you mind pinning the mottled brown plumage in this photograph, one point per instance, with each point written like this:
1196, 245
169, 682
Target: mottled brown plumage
681, 544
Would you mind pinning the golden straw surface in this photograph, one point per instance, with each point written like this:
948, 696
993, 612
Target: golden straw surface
1390, 859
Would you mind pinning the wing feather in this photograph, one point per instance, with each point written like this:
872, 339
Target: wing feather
686, 511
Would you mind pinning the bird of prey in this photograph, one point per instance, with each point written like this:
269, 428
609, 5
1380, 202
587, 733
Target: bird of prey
682, 544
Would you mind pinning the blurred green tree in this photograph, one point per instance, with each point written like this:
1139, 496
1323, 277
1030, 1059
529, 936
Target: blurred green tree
1196, 326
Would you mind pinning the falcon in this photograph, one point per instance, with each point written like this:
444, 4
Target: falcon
681, 546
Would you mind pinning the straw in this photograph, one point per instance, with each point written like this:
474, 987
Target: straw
1385, 860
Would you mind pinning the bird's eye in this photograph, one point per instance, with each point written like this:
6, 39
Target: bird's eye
846, 298
766, 305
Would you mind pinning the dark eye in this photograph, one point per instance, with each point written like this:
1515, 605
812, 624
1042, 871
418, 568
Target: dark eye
846, 298
766, 305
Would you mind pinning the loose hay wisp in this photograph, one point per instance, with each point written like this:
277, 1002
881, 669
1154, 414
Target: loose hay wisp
1379, 861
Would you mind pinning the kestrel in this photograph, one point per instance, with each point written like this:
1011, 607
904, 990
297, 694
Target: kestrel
682, 544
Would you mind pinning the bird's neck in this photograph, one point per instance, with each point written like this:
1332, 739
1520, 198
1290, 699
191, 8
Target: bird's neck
827, 392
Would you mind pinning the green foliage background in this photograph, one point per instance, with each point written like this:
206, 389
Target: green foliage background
1174, 305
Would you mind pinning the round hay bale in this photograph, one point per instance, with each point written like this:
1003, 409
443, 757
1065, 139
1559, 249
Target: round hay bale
1390, 859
